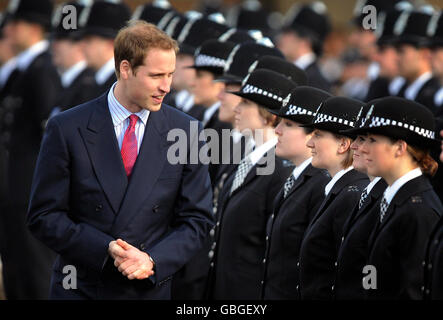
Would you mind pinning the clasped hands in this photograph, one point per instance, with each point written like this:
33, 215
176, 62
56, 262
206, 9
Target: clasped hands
130, 261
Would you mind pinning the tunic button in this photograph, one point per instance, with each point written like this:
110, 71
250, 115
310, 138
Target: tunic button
212, 264
212, 232
267, 238
213, 245
218, 223
262, 282
297, 287
422, 288
423, 263
427, 291
210, 255
298, 263
342, 239
332, 288
335, 263
264, 260
272, 217
435, 242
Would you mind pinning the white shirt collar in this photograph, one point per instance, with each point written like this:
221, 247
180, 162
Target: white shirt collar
299, 169
258, 153
119, 113
210, 111
105, 72
438, 98
305, 60
6, 69
335, 178
25, 58
184, 100
395, 85
393, 189
72, 73
373, 71
372, 184
413, 89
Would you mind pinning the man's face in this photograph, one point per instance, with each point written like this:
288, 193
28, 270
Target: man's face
387, 58
93, 49
408, 60
437, 61
204, 88
152, 80
18, 33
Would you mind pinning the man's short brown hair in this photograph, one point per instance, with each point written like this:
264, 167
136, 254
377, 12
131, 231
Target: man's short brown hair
135, 40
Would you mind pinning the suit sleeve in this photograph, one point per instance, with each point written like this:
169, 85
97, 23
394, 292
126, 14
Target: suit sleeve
48, 214
192, 217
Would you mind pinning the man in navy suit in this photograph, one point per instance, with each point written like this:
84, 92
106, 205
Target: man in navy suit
104, 195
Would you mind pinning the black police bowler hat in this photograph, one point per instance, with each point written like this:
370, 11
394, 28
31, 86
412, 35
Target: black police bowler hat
32, 11
282, 66
242, 57
411, 28
309, 19
212, 55
399, 118
158, 12
104, 19
336, 114
302, 103
62, 12
266, 88
241, 36
435, 29
197, 31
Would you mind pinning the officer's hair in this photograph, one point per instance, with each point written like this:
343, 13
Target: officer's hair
135, 40
424, 160
271, 119
347, 162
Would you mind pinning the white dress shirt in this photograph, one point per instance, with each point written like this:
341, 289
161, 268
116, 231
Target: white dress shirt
120, 118
335, 178
393, 189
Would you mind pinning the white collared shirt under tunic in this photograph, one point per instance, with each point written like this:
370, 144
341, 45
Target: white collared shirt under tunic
335, 178
413, 89
260, 151
25, 58
103, 74
300, 168
305, 60
393, 189
72, 73
371, 184
120, 119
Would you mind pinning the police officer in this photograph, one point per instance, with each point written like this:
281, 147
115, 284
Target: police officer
99, 25
331, 150
400, 133
298, 200
76, 78
33, 93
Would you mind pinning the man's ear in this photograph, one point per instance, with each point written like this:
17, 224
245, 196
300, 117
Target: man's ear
125, 69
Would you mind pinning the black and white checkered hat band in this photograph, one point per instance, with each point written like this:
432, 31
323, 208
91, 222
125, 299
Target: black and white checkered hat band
203, 60
381, 122
321, 117
294, 110
253, 89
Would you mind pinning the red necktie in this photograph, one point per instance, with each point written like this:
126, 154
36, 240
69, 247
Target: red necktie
129, 145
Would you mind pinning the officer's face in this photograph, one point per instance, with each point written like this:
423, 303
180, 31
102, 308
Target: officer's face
358, 160
63, 52
292, 141
183, 76
147, 85
228, 103
325, 150
247, 116
20, 33
437, 61
96, 50
379, 153
408, 61
387, 58
204, 88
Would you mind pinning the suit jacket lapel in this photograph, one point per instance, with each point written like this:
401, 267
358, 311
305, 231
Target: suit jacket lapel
103, 150
147, 169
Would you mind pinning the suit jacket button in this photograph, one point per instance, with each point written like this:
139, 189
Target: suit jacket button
155, 208
142, 246
98, 208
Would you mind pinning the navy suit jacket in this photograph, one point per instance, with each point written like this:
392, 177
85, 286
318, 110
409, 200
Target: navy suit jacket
81, 200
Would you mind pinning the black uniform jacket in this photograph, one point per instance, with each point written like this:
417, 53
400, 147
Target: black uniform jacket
322, 239
237, 269
353, 251
285, 230
397, 244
